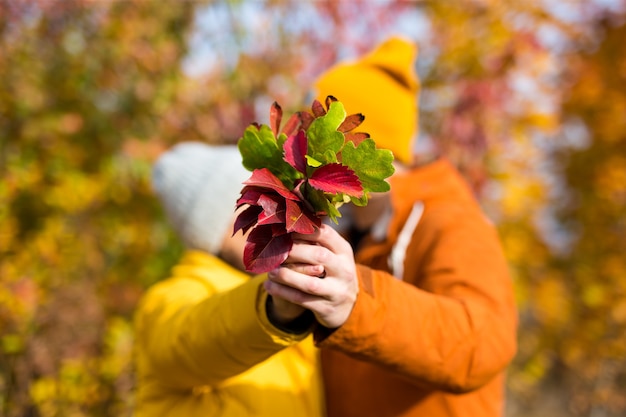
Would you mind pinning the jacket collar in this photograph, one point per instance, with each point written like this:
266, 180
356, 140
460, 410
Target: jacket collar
433, 181
438, 180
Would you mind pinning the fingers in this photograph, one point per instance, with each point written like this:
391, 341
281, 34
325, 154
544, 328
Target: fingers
304, 253
321, 261
327, 237
307, 269
316, 304
307, 285
289, 294
323, 253
330, 299
309, 292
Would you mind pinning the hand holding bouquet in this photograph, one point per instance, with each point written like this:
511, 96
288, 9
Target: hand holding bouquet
301, 173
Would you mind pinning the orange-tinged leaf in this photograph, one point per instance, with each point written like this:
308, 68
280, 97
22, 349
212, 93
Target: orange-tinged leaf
356, 137
351, 122
293, 124
317, 109
276, 116
329, 100
306, 118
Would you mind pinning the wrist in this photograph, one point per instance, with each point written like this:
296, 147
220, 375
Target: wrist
296, 321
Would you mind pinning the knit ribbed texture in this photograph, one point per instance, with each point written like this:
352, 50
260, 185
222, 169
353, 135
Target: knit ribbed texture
198, 185
383, 85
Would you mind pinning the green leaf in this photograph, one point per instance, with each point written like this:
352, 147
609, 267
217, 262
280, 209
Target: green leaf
320, 203
280, 140
259, 149
333, 213
324, 139
330, 156
371, 165
360, 201
312, 162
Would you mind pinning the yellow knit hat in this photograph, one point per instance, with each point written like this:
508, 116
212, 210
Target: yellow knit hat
383, 86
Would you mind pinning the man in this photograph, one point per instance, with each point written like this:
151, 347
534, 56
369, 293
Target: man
422, 316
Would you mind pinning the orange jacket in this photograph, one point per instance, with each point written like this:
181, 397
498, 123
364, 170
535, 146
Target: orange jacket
435, 341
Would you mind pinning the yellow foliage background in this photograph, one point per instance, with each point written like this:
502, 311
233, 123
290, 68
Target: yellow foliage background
528, 99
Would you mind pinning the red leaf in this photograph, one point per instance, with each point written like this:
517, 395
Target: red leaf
265, 179
276, 115
273, 207
250, 195
299, 220
293, 124
336, 178
317, 109
351, 122
266, 248
247, 219
297, 190
295, 150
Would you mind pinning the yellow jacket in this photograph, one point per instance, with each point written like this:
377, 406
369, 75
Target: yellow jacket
205, 347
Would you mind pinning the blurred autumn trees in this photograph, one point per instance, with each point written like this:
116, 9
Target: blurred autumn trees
575, 308
83, 87
527, 98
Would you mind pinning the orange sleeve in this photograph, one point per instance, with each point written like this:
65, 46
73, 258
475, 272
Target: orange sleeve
451, 325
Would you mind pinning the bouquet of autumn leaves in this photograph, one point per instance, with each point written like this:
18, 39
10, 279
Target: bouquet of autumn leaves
302, 173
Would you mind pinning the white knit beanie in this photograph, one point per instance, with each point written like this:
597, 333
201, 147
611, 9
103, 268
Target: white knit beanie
198, 185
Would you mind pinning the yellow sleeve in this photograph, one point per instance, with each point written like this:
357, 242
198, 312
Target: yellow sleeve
190, 336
